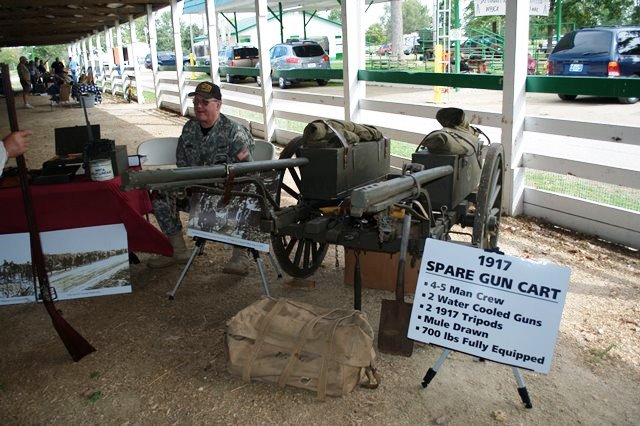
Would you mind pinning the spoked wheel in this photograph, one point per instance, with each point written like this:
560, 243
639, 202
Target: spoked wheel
486, 222
299, 258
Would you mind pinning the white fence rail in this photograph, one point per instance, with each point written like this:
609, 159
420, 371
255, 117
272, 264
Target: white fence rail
410, 122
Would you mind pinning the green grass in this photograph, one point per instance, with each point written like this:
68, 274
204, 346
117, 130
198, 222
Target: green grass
402, 149
613, 195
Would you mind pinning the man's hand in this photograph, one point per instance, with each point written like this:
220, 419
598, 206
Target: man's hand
17, 143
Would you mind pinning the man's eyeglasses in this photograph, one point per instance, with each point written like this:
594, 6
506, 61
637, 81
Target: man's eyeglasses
203, 102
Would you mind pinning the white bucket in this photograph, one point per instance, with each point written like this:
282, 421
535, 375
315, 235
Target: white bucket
101, 170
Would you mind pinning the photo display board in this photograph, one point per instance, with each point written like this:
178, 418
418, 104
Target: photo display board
493, 306
235, 222
80, 262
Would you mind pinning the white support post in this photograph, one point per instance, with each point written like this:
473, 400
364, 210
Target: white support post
353, 58
153, 49
92, 56
268, 117
120, 60
513, 105
108, 34
85, 59
133, 59
97, 69
177, 42
212, 31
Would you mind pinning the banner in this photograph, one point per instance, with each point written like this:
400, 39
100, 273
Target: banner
499, 7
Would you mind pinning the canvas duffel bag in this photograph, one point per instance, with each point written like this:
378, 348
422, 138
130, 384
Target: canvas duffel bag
298, 344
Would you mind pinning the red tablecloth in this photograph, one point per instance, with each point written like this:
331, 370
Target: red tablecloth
83, 203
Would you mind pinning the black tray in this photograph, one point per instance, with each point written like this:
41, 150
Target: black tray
50, 176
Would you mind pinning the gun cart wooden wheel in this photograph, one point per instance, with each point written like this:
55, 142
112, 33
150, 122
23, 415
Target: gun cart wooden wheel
486, 222
298, 257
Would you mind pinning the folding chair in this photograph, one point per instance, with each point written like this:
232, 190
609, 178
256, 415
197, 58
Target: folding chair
158, 151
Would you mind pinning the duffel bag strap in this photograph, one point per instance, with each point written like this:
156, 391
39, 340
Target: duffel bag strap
328, 350
342, 140
246, 371
300, 341
373, 377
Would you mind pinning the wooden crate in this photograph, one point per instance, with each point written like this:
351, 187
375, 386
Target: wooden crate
380, 270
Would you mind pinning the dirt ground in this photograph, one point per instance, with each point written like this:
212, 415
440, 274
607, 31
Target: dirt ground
162, 362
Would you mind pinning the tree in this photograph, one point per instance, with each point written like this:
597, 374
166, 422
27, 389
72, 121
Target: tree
375, 34
396, 27
335, 15
164, 28
415, 16
185, 34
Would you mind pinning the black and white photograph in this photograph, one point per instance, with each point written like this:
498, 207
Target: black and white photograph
80, 262
236, 222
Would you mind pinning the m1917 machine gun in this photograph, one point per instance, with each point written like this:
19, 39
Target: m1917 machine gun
341, 192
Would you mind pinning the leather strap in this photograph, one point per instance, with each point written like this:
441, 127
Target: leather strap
322, 380
300, 341
342, 140
246, 371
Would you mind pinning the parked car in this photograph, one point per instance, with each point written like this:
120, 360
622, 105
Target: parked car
598, 52
237, 56
303, 54
165, 59
385, 49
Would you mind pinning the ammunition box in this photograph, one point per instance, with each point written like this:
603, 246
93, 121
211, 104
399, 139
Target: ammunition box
333, 172
453, 189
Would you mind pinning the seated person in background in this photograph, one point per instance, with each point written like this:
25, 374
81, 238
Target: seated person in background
58, 82
464, 65
13, 145
211, 138
90, 80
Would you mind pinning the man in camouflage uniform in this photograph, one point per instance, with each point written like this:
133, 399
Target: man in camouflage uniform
211, 138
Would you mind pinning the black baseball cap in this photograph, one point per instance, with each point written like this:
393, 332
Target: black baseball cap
208, 91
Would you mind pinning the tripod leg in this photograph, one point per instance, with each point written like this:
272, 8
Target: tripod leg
522, 389
357, 285
274, 264
197, 250
432, 371
258, 259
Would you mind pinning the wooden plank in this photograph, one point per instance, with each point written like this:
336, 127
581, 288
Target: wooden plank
313, 98
610, 223
580, 129
429, 111
596, 172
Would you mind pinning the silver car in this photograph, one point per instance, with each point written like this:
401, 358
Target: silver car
237, 56
302, 54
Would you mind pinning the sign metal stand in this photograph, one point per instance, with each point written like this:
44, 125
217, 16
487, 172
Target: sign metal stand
522, 388
489, 305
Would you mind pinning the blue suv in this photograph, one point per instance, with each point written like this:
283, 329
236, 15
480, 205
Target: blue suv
598, 52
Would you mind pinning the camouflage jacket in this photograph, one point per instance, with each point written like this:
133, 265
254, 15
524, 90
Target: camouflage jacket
227, 142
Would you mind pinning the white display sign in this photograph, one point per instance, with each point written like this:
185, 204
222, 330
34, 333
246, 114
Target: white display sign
493, 306
499, 7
